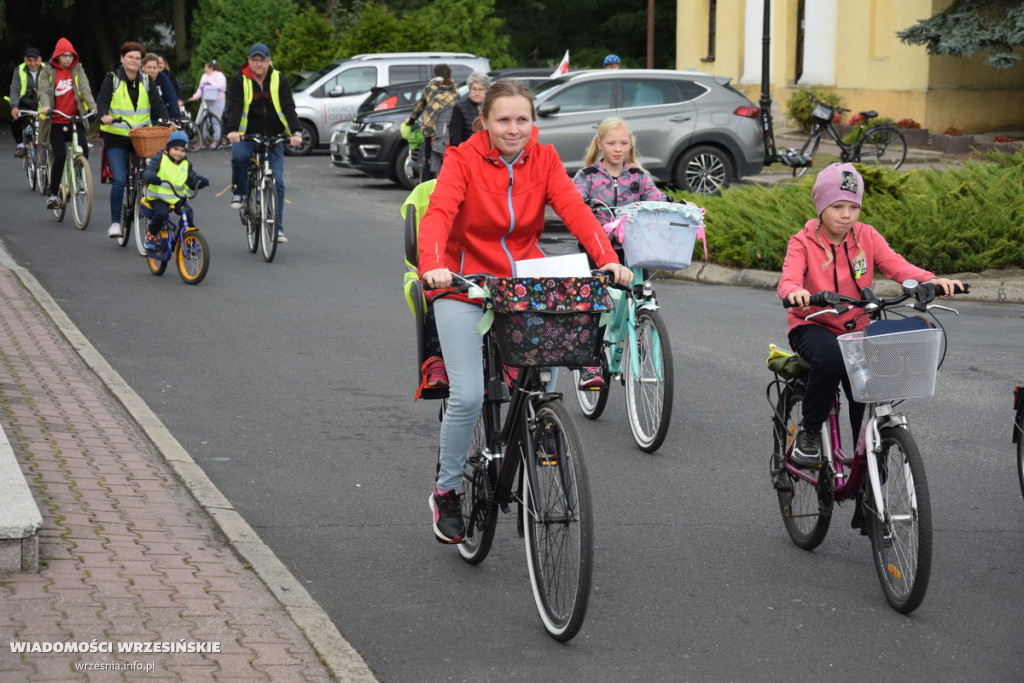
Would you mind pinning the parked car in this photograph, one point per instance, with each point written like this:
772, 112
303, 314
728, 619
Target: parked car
693, 130
530, 76
332, 96
401, 97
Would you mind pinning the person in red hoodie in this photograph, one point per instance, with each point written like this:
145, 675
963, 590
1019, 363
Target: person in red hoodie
834, 252
486, 213
64, 87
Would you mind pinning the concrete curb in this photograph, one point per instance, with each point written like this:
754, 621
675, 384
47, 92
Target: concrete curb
340, 658
20, 518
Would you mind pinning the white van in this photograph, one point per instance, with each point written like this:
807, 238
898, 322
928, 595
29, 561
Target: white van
330, 98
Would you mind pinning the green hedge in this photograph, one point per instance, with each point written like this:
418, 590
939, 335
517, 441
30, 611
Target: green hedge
965, 220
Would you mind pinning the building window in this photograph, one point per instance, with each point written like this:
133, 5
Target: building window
712, 11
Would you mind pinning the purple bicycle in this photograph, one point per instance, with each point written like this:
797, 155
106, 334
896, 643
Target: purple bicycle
887, 362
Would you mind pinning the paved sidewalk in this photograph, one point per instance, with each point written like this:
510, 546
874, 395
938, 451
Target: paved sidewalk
137, 548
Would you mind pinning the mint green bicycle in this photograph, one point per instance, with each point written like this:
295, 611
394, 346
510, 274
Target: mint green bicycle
637, 353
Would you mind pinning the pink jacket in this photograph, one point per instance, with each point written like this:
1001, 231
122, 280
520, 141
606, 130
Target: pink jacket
807, 266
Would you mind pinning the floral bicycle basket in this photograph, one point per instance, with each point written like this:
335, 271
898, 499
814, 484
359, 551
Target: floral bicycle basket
660, 235
553, 321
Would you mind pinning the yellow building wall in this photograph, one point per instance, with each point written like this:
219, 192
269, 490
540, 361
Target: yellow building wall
873, 68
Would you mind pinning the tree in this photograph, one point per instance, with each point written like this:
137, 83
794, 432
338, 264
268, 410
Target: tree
224, 30
968, 27
378, 29
307, 42
464, 26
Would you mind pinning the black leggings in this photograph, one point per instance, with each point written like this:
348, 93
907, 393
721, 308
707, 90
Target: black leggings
818, 346
60, 133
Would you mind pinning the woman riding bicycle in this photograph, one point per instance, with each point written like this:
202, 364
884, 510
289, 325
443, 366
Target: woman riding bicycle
486, 212
129, 94
212, 86
616, 179
834, 252
63, 86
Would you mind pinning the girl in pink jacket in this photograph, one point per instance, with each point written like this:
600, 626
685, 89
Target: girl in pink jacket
834, 252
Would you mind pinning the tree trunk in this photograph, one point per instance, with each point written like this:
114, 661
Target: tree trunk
180, 35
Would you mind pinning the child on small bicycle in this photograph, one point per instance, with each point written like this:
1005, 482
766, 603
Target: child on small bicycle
170, 166
612, 177
834, 252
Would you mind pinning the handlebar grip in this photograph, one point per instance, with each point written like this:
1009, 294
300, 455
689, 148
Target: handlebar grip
823, 298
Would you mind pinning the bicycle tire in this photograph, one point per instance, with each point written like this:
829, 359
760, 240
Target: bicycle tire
81, 192
129, 224
250, 217
139, 224
881, 146
1020, 458
207, 128
592, 402
806, 508
559, 539
268, 219
62, 208
158, 266
479, 508
42, 177
30, 162
192, 257
809, 149
195, 142
649, 395
901, 545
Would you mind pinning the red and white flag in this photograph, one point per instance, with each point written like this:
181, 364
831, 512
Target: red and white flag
563, 66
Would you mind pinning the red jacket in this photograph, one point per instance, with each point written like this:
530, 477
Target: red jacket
485, 214
807, 266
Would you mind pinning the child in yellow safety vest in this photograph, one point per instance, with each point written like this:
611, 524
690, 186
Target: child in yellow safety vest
169, 166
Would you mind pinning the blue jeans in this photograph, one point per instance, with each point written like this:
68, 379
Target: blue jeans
241, 151
118, 158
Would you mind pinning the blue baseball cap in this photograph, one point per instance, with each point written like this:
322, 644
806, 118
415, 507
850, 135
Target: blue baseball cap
261, 50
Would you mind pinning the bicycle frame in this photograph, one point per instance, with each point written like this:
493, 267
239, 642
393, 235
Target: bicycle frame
175, 230
622, 328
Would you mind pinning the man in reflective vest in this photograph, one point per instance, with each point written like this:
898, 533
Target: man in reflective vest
23, 95
259, 101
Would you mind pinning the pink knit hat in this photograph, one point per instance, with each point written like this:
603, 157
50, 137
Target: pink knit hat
837, 182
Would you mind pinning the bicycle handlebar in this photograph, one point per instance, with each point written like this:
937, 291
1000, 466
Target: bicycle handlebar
158, 122
924, 293
74, 119
269, 141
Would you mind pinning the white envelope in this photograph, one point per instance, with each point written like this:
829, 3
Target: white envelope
570, 265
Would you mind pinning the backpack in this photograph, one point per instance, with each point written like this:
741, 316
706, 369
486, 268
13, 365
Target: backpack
442, 130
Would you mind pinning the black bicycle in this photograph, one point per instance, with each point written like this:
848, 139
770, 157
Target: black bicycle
532, 458
881, 144
259, 210
1018, 431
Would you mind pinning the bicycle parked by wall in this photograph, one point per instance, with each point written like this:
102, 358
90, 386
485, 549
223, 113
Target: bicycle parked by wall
179, 241
532, 457
887, 362
881, 144
259, 207
76, 180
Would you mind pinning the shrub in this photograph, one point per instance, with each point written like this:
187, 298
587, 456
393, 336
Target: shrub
908, 123
856, 119
952, 130
800, 104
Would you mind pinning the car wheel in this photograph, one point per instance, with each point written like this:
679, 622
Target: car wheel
703, 170
404, 172
310, 141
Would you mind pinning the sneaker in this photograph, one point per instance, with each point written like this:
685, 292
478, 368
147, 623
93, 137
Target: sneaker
114, 230
53, 202
152, 241
807, 450
281, 239
590, 378
236, 201
436, 374
447, 509
511, 374
19, 151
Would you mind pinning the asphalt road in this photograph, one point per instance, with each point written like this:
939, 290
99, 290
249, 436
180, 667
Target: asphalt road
291, 384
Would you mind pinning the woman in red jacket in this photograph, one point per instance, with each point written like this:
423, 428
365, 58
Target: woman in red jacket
486, 213
834, 252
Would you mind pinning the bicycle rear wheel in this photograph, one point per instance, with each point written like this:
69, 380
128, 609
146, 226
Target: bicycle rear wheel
649, 393
592, 402
901, 544
157, 266
558, 526
189, 128
882, 146
81, 192
192, 256
479, 509
208, 126
809, 149
129, 216
806, 508
268, 219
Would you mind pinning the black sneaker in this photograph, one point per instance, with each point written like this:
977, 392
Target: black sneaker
447, 509
806, 450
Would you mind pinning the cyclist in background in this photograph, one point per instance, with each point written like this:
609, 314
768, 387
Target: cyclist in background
63, 86
834, 252
24, 87
127, 93
164, 87
612, 62
259, 101
486, 212
212, 86
612, 177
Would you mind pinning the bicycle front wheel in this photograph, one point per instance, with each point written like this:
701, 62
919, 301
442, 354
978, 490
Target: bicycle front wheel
192, 256
138, 221
592, 401
209, 125
649, 391
30, 164
882, 146
806, 507
130, 224
81, 192
479, 509
901, 544
42, 177
558, 526
268, 219
809, 149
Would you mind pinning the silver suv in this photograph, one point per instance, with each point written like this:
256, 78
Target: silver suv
331, 97
693, 130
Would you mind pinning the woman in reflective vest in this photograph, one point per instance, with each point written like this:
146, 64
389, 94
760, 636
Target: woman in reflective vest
126, 94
